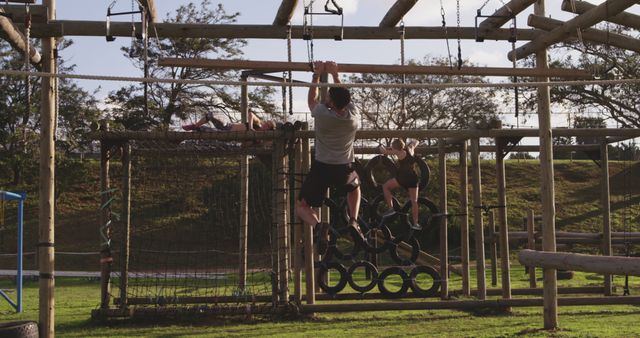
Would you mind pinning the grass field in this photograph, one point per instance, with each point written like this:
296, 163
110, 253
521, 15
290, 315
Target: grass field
75, 298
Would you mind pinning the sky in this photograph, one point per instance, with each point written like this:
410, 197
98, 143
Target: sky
93, 55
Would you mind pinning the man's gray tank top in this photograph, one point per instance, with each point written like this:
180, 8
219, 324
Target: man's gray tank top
335, 134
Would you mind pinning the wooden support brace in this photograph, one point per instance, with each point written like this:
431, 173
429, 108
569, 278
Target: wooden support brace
150, 5
589, 34
502, 15
279, 66
17, 40
624, 18
39, 13
589, 18
612, 265
397, 12
285, 12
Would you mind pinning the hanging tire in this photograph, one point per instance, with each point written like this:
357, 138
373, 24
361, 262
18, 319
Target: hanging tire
417, 289
323, 269
395, 270
379, 206
334, 251
387, 164
406, 261
19, 329
426, 216
370, 247
425, 172
368, 267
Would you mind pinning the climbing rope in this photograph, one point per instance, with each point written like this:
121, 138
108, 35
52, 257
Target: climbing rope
403, 109
446, 37
458, 31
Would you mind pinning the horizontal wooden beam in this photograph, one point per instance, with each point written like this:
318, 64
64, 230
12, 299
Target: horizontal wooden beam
397, 12
285, 12
429, 150
209, 31
22, 1
589, 34
152, 13
18, 13
17, 40
278, 66
360, 134
601, 12
624, 18
502, 15
465, 304
611, 265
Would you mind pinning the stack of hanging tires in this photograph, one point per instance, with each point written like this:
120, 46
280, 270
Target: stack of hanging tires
390, 235
20, 329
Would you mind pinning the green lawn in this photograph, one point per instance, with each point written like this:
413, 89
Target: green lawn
75, 298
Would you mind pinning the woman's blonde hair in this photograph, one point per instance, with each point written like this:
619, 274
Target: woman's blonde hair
397, 144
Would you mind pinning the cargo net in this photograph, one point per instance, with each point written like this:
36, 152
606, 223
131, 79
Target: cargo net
185, 226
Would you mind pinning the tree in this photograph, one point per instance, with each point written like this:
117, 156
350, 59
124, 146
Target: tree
20, 115
441, 108
170, 101
617, 102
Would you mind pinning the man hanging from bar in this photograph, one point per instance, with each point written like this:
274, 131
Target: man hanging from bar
335, 124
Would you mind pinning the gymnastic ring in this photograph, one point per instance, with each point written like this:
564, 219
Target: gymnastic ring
426, 219
368, 266
425, 173
323, 269
435, 276
394, 270
370, 247
387, 163
415, 252
334, 251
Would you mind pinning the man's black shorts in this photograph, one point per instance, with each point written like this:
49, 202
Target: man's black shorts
320, 178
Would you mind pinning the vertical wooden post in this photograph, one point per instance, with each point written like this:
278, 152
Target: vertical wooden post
502, 219
464, 219
283, 226
444, 245
275, 233
493, 248
298, 225
477, 218
104, 228
126, 223
244, 194
324, 210
46, 251
310, 280
531, 245
550, 292
606, 210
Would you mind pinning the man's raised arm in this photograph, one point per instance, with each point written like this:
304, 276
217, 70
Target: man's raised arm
313, 98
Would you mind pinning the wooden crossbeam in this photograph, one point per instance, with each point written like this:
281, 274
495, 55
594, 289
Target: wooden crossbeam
152, 14
209, 31
579, 262
624, 18
18, 13
397, 12
17, 40
22, 1
279, 66
285, 12
589, 34
502, 15
591, 17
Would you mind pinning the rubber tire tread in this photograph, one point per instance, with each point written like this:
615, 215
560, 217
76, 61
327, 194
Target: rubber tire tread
19, 329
